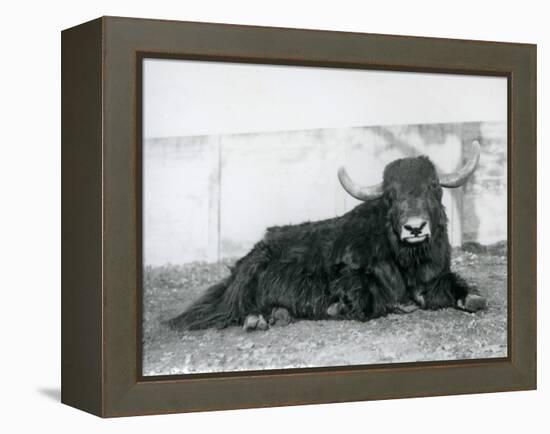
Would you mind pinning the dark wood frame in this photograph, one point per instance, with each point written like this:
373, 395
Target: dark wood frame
101, 227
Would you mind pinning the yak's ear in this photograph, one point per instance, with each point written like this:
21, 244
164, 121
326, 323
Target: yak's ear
388, 199
458, 178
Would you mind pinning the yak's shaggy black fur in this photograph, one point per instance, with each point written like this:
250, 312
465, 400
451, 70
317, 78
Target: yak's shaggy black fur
357, 260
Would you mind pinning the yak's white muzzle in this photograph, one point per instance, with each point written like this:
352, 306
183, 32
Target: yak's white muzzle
415, 230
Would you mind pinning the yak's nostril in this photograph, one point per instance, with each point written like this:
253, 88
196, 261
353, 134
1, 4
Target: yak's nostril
417, 228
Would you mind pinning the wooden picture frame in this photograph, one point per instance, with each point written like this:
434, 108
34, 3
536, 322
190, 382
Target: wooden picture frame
101, 219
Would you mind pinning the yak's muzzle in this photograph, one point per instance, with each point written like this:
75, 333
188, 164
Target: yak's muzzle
415, 230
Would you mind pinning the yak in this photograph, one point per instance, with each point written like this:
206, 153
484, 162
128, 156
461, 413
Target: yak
389, 254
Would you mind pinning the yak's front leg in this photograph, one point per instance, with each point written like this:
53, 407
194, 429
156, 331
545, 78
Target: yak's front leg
389, 278
451, 290
368, 293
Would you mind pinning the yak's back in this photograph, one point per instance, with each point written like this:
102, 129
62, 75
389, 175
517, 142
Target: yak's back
328, 241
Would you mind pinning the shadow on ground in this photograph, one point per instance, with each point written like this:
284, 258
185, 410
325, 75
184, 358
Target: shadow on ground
447, 334
54, 394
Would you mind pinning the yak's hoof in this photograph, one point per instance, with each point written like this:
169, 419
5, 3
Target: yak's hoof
280, 317
255, 322
405, 308
472, 303
419, 298
335, 309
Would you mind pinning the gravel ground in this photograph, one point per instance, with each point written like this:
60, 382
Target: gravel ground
447, 334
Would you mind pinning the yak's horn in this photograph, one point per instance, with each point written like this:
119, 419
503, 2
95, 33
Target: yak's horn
458, 178
358, 192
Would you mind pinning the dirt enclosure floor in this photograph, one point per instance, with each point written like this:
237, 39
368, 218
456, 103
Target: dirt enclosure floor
447, 334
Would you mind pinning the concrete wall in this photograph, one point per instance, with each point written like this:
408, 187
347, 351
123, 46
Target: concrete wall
211, 197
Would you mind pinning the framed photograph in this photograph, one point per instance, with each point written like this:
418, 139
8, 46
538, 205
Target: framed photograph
259, 216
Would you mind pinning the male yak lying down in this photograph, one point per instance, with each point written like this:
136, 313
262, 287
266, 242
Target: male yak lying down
391, 253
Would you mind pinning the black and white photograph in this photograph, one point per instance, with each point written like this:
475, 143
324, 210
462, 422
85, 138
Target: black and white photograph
307, 217
293, 217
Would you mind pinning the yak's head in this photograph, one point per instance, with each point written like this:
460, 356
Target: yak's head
412, 189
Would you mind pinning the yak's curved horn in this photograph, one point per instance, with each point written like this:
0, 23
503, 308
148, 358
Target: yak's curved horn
458, 178
358, 192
